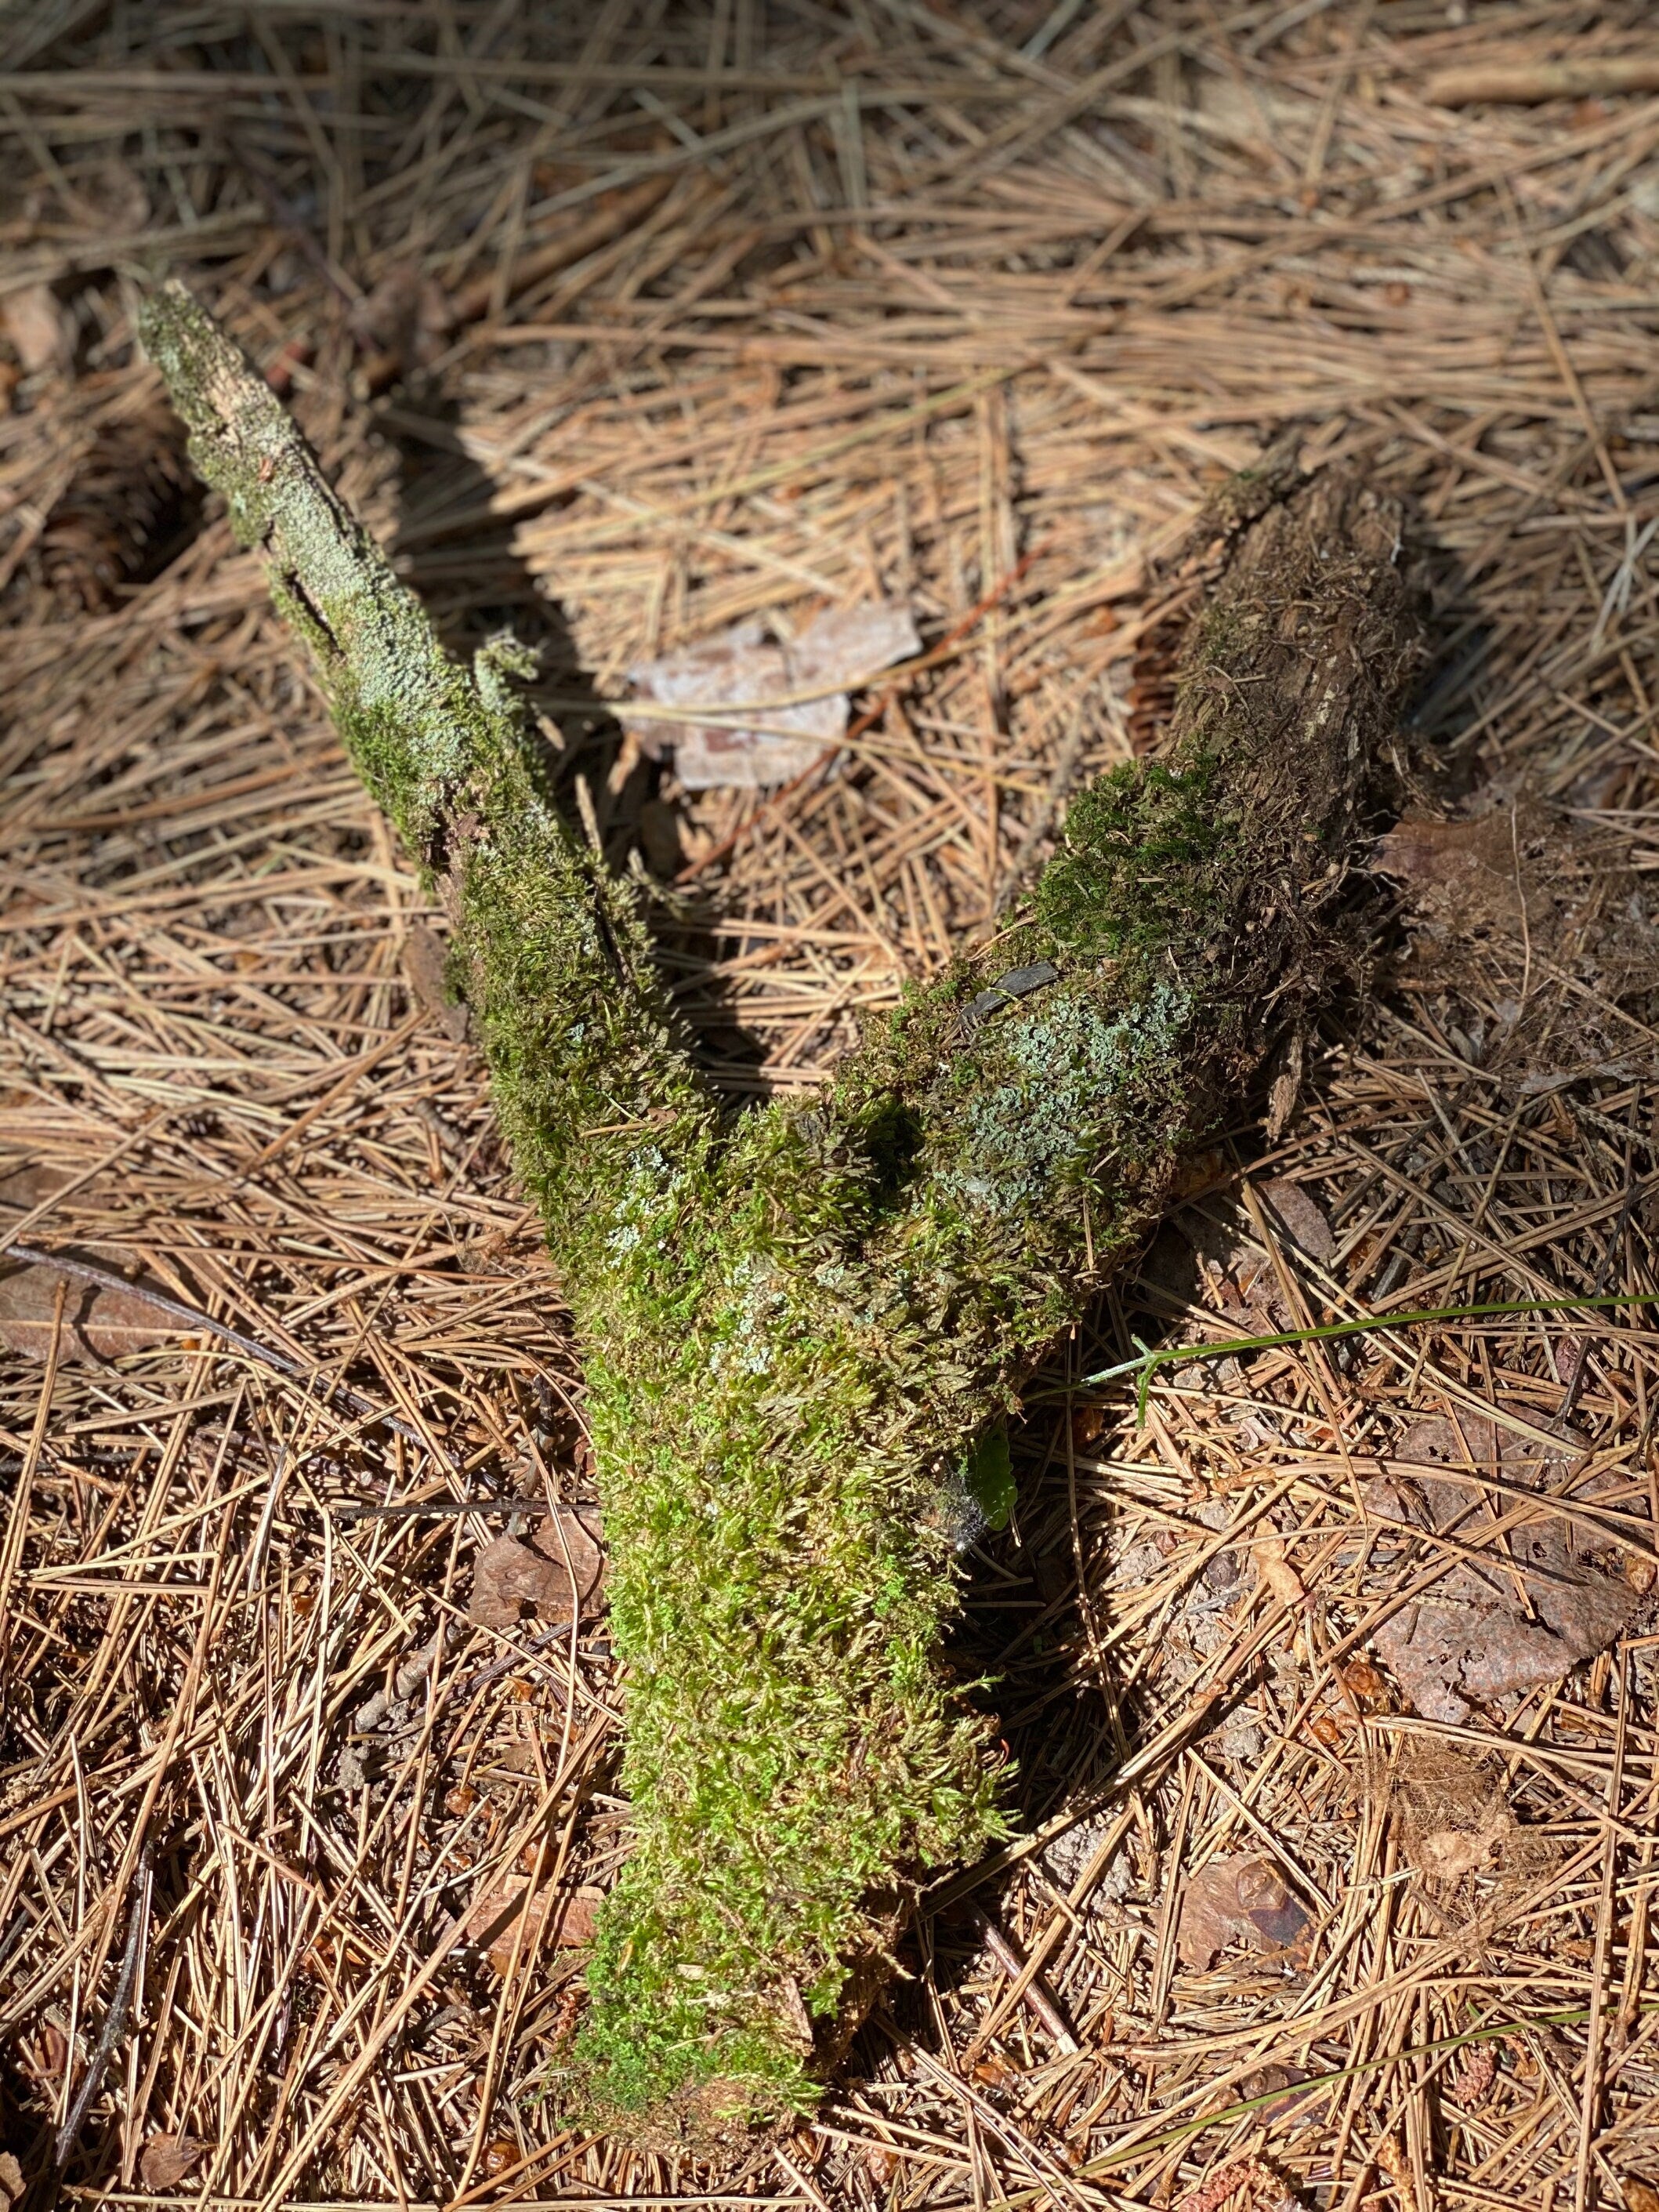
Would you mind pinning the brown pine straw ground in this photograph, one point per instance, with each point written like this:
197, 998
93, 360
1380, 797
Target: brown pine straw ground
965, 305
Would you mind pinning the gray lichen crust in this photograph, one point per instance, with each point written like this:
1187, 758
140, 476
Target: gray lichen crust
803, 1328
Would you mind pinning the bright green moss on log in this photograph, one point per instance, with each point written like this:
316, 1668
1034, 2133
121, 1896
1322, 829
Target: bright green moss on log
803, 1328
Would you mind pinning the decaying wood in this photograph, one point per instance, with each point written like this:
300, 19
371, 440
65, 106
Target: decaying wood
803, 1328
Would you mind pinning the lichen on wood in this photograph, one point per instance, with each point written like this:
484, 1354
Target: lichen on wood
804, 1327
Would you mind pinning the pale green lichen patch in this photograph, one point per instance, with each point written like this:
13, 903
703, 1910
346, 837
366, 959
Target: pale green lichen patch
802, 1328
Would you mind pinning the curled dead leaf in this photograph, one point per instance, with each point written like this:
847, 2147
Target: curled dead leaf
168, 2159
1237, 1899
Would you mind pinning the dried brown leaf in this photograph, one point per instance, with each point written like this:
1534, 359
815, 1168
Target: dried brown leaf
99, 1324
553, 1581
167, 2159
1236, 1900
1466, 872
1639, 2195
1535, 1605
740, 668
494, 1918
11, 2180
38, 326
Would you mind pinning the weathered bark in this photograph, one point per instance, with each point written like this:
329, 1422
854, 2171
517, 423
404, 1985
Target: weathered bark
803, 1328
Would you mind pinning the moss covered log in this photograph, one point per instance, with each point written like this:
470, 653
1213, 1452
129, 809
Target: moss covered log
803, 1328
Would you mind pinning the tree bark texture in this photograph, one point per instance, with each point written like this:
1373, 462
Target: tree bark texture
803, 1328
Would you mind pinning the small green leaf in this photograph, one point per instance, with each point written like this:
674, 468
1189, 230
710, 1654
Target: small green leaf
988, 1475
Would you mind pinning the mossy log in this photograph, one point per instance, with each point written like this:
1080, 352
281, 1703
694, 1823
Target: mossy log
803, 1328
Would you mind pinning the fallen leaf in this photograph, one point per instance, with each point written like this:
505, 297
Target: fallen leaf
1237, 1899
881, 2164
426, 966
1467, 874
98, 1324
553, 1581
167, 2159
1243, 2185
741, 668
11, 2180
38, 326
1470, 1637
495, 1915
1639, 2195
1293, 1209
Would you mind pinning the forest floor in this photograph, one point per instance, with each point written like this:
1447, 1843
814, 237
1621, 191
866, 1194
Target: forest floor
625, 325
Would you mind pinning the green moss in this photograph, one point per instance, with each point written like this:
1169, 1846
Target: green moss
1149, 862
802, 1328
